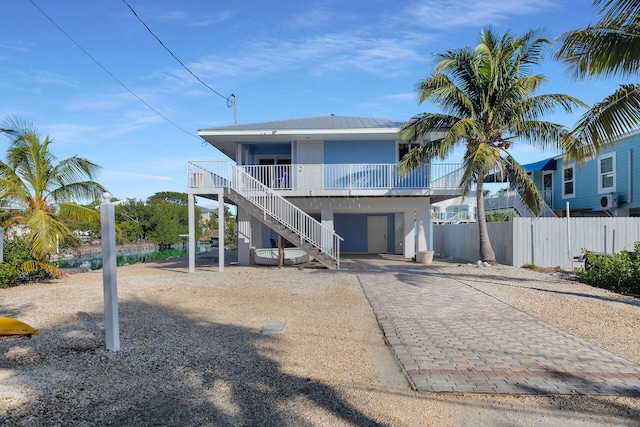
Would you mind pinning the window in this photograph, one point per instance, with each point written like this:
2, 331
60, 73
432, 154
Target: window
607, 173
569, 181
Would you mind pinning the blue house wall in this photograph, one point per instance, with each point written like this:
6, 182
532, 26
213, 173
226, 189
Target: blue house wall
359, 152
587, 195
352, 228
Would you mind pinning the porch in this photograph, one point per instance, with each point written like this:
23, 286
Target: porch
332, 179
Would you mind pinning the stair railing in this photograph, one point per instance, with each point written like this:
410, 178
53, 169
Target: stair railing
308, 229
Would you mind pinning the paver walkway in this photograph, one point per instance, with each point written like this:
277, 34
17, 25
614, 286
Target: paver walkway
450, 337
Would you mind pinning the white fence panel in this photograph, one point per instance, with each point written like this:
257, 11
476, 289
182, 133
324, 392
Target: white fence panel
540, 241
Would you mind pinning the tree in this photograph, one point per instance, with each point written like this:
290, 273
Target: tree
169, 217
609, 48
132, 220
230, 236
487, 97
45, 191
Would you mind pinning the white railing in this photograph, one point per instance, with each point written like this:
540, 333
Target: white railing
511, 200
273, 176
453, 217
356, 176
388, 176
222, 174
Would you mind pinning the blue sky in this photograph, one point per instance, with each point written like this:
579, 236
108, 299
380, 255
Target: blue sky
283, 60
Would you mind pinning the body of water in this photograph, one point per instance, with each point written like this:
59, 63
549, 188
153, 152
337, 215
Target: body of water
94, 261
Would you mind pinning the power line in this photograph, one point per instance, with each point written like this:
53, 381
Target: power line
111, 74
227, 98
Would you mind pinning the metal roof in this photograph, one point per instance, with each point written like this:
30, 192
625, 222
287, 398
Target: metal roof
324, 128
331, 122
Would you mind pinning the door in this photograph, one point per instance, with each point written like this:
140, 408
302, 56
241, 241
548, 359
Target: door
377, 234
547, 188
310, 162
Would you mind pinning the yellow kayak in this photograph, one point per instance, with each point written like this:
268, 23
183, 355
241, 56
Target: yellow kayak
9, 326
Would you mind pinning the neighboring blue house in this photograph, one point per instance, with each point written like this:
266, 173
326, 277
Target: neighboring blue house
327, 184
606, 185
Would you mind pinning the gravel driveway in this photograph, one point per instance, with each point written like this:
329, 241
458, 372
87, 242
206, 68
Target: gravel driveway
262, 346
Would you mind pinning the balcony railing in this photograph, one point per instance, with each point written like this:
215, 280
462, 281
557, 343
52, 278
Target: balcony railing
342, 176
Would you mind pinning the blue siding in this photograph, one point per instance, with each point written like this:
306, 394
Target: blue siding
353, 229
359, 152
586, 179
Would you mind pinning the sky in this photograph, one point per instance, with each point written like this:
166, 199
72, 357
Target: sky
93, 78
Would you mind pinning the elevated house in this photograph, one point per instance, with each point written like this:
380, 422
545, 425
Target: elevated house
605, 185
328, 185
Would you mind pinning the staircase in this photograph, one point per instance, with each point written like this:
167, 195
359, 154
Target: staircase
271, 209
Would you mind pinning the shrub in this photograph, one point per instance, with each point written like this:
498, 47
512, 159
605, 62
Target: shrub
618, 273
16, 252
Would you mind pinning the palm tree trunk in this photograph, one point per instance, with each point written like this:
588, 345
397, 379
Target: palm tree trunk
486, 250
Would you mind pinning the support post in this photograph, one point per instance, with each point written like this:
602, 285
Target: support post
220, 232
192, 233
109, 278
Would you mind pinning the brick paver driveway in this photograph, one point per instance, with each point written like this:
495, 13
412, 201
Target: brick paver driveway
450, 337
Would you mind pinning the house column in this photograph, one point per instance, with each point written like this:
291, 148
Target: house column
423, 225
409, 234
326, 218
399, 233
192, 233
244, 237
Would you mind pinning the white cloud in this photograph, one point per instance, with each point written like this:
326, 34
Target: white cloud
122, 175
335, 51
441, 14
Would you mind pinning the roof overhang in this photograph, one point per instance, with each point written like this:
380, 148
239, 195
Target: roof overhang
542, 165
226, 140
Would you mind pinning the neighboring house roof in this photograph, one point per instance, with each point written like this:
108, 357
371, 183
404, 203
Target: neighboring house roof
542, 165
323, 128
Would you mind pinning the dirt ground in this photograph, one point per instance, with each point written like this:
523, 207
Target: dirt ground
262, 346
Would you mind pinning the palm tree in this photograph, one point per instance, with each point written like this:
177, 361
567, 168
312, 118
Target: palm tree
609, 48
45, 191
487, 97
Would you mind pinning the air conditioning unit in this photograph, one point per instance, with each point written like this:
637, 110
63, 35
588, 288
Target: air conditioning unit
609, 201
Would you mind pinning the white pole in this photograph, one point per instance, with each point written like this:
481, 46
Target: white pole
192, 234
569, 233
220, 232
109, 278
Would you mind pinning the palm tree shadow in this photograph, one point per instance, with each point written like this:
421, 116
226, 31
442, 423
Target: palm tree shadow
222, 375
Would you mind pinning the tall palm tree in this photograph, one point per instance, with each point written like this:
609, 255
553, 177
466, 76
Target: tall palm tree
45, 191
609, 48
487, 97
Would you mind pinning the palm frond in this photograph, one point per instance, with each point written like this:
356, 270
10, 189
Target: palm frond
522, 182
79, 213
607, 120
624, 12
44, 230
32, 266
477, 164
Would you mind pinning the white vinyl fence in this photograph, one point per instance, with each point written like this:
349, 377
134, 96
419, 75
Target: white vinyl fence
545, 242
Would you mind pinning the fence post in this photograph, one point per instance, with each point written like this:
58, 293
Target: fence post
109, 279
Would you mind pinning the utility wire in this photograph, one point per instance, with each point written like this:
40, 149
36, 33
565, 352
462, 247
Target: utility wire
111, 74
227, 98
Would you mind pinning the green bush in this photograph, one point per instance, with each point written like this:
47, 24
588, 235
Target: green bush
620, 273
16, 252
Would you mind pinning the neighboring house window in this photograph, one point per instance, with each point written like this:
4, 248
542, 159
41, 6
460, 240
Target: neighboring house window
607, 173
569, 181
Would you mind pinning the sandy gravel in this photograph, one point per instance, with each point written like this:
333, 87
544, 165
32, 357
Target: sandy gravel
193, 351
